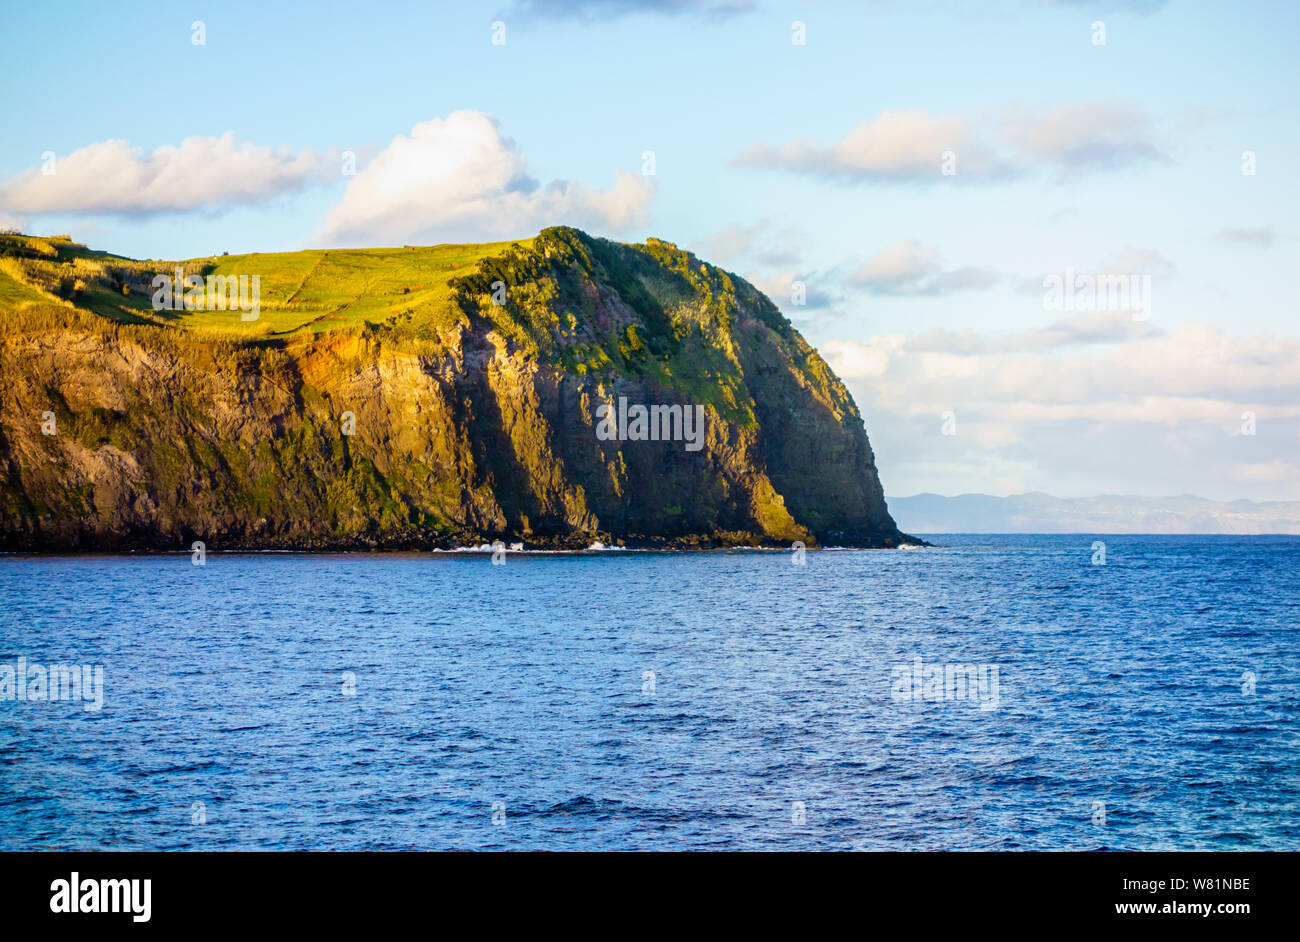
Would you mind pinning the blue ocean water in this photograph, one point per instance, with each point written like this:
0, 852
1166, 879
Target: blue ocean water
648, 701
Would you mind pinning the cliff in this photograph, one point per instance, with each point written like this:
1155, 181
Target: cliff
418, 397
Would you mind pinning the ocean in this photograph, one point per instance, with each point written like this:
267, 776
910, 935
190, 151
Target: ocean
989, 693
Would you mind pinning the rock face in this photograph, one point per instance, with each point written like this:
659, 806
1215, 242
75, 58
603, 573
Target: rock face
413, 432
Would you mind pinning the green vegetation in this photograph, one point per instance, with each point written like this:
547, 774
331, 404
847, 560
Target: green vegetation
471, 373
589, 306
312, 291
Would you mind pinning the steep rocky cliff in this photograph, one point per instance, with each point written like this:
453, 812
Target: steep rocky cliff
461, 406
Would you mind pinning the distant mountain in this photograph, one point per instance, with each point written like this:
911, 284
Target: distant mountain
1042, 513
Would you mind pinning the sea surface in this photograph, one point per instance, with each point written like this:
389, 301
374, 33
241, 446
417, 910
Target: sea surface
661, 701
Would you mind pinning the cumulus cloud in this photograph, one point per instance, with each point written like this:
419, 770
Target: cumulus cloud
910, 145
909, 268
904, 145
459, 178
1195, 370
1090, 136
1088, 405
200, 173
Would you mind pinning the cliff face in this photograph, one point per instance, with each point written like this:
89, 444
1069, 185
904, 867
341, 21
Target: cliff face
424, 430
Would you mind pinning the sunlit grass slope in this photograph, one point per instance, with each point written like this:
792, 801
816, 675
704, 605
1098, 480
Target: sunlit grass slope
309, 291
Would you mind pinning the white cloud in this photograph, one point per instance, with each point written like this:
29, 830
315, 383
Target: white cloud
1089, 136
459, 179
909, 145
909, 268
202, 172
895, 145
1139, 411
860, 361
907, 261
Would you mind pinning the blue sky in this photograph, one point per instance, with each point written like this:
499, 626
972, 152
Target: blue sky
925, 289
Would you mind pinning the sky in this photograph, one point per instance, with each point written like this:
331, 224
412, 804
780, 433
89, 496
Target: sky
927, 189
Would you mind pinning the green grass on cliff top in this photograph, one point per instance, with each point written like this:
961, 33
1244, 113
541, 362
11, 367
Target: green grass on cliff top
312, 290
327, 289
